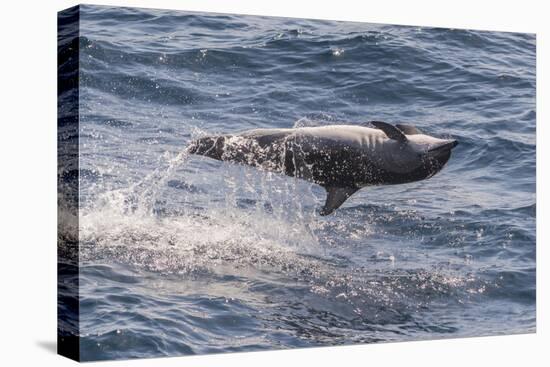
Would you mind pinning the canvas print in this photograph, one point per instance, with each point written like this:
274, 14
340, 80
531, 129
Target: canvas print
232, 183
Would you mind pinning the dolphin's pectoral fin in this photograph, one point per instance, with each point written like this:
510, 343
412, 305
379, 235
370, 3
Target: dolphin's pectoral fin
336, 196
391, 131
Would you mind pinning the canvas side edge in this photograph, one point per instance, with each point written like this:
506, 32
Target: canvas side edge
68, 308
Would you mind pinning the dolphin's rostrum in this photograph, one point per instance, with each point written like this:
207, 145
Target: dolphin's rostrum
341, 158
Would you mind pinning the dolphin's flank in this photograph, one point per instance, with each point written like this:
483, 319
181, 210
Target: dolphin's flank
341, 158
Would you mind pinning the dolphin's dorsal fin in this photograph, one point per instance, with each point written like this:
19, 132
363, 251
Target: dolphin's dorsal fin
391, 131
408, 129
336, 197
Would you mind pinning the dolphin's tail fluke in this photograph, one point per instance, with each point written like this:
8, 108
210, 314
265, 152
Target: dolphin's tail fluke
209, 146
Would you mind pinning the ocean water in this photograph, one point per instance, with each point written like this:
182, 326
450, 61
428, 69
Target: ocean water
185, 255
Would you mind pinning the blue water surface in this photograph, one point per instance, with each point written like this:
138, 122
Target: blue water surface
186, 255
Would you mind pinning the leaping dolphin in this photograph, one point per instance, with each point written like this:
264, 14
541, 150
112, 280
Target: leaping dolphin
341, 158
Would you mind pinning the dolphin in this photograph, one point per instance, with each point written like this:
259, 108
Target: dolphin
340, 158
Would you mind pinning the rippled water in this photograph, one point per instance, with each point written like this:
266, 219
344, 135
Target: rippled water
185, 255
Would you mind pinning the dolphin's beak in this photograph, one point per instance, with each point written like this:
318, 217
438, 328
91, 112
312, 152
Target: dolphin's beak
447, 146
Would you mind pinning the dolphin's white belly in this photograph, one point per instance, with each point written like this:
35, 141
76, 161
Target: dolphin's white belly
372, 143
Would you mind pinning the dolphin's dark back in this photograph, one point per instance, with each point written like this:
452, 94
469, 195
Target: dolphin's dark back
294, 155
209, 146
259, 149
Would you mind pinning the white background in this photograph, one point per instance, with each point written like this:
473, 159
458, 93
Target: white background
28, 181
